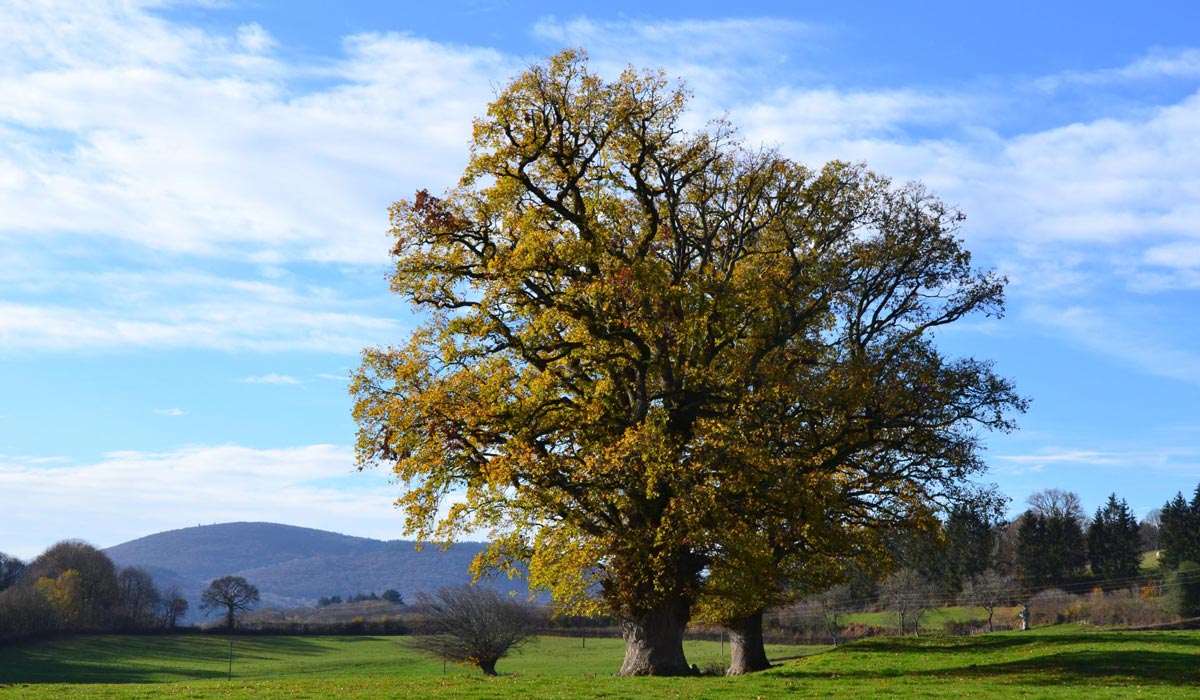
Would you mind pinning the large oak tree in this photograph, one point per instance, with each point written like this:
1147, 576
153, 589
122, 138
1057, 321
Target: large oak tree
662, 368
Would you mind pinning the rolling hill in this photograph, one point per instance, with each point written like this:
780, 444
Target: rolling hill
293, 566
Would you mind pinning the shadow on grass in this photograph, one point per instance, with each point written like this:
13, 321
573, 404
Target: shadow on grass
1168, 668
134, 659
1012, 640
1053, 659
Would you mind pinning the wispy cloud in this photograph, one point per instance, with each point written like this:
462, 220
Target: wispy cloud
721, 59
131, 494
271, 378
249, 326
171, 412
1138, 336
178, 307
1060, 456
29, 460
724, 40
1159, 63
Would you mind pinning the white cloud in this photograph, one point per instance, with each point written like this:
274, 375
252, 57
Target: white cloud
254, 39
1110, 180
1175, 255
121, 125
172, 412
1105, 181
130, 494
271, 378
117, 124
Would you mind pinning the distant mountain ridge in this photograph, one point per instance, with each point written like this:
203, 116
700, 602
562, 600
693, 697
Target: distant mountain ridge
294, 566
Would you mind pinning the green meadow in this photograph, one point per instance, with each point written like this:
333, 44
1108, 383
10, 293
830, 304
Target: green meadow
1059, 662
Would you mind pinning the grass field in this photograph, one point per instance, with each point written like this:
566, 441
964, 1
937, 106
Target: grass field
934, 619
1062, 662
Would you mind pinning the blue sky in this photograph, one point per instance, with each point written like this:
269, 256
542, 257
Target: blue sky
193, 215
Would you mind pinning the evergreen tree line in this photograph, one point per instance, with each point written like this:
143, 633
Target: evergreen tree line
1051, 544
1053, 557
74, 587
977, 558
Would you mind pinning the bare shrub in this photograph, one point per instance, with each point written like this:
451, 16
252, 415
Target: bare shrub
1126, 608
467, 624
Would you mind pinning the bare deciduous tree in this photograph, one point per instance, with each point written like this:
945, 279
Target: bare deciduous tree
137, 596
10, 569
909, 595
467, 624
172, 606
834, 608
1056, 503
989, 590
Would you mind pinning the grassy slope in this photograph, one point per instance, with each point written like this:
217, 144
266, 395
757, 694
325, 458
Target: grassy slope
1150, 564
1068, 662
934, 619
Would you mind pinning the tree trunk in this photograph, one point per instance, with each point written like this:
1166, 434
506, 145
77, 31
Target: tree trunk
488, 666
746, 651
229, 619
654, 642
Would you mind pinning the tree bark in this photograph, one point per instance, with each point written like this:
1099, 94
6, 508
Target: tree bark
654, 642
746, 651
488, 666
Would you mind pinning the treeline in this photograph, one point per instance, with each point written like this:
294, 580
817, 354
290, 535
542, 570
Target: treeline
1053, 543
1054, 558
74, 587
391, 595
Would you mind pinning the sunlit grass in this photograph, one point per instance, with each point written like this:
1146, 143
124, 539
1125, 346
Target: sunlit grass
1061, 662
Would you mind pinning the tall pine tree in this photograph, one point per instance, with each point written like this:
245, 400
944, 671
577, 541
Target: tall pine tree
1179, 531
1051, 549
1113, 541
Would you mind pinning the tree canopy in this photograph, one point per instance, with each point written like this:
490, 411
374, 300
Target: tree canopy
1179, 530
663, 367
233, 594
1112, 541
1051, 549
